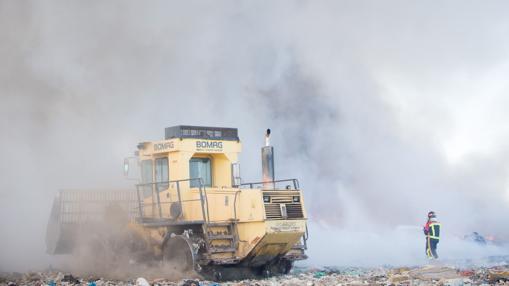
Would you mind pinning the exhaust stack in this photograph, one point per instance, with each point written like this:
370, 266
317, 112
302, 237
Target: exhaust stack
268, 163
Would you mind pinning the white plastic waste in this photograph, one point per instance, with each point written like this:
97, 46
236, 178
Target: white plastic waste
142, 282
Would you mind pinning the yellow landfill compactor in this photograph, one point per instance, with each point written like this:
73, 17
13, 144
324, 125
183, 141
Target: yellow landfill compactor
191, 210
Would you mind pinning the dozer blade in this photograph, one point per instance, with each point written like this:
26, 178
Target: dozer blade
76, 212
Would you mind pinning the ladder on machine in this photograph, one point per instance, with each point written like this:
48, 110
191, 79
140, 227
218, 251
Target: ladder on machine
221, 238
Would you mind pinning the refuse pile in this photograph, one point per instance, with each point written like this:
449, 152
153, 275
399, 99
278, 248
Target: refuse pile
347, 276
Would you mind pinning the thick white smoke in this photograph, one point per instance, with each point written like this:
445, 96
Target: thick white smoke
383, 110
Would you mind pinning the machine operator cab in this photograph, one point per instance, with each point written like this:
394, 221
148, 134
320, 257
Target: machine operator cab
191, 152
176, 172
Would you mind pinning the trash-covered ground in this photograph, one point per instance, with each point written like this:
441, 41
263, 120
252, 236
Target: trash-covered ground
424, 275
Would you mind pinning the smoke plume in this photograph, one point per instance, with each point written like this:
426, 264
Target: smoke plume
383, 110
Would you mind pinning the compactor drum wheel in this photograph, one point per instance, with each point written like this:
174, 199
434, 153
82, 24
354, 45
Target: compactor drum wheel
178, 254
279, 267
285, 266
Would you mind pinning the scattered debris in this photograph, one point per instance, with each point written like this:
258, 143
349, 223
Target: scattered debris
467, 273
499, 274
142, 282
70, 279
191, 283
475, 237
348, 276
434, 273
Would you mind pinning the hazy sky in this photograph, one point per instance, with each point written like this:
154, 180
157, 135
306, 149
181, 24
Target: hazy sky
383, 109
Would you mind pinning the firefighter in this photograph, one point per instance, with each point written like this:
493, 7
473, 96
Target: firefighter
432, 231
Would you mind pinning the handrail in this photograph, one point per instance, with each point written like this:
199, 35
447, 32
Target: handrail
206, 200
173, 181
201, 188
139, 201
306, 237
294, 181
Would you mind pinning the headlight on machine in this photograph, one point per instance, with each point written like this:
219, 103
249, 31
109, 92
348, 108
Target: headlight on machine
266, 199
296, 199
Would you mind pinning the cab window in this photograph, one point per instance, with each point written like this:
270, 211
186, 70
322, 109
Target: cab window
161, 174
200, 168
146, 177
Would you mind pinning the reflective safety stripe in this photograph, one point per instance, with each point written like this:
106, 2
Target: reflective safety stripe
432, 230
428, 249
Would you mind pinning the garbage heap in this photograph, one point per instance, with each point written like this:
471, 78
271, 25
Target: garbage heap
425, 275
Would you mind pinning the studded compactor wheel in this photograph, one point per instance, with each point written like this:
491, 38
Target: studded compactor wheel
178, 254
